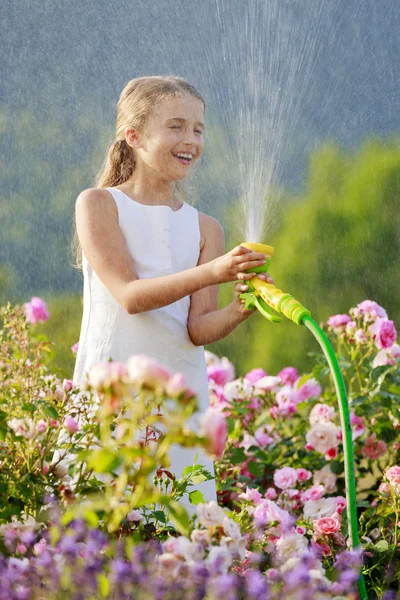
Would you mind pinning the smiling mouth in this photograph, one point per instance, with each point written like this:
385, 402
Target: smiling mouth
186, 158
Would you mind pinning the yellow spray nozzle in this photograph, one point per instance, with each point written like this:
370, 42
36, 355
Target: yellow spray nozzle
273, 298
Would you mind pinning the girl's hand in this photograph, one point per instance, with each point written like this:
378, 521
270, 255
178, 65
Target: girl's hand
232, 266
240, 288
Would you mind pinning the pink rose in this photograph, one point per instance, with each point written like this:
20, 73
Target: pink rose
267, 511
67, 385
331, 454
36, 310
357, 426
383, 332
303, 474
311, 389
327, 525
217, 374
251, 495
262, 436
393, 475
75, 348
41, 426
369, 310
340, 504
384, 490
147, 372
337, 322
373, 448
387, 356
215, 430
285, 478
254, 375
271, 493
316, 492
288, 375
267, 384
176, 385
71, 425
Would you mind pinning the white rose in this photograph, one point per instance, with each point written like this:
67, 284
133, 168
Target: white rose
188, 550
323, 437
316, 509
210, 515
237, 389
326, 478
231, 528
289, 545
236, 547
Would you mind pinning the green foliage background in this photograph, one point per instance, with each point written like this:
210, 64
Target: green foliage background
337, 244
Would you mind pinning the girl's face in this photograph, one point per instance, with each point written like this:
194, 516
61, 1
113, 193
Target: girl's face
172, 140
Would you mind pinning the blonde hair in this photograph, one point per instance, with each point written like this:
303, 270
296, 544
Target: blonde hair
138, 98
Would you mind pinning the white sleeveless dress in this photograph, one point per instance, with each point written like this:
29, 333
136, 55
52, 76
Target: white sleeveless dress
160, 242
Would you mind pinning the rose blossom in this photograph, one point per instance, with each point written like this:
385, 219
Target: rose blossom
23, 427
316, 492
327, 525
360, 336
325, 477
41, 426
67, 385
303, 474
331, 454
255, 375
36, 311
369, 310
338, 322
290, 546
134, 516
288, 375
267, 384
310, 389
285, 478
387, 356
147, 372
262, 436
237, 389
267, 511
271, 493
357, 426
218, 374
210, 514
251, 495
323, 437
322, 413
75, 348
316, 509
340, 503
176, 385
214, 429
393, 476
373, 448
384, 333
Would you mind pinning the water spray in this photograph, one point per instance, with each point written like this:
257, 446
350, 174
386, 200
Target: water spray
272, 303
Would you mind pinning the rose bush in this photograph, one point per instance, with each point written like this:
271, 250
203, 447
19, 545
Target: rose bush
89, 506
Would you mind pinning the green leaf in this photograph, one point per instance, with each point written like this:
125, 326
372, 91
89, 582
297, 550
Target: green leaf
337, 467
381, 546
237, 456
103, 461
49, 410
159, 515
178, 517
196, 497
256, 469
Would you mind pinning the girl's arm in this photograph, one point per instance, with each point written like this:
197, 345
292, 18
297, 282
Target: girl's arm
105, 248
207, 324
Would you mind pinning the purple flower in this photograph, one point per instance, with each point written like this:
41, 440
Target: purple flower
288, 375
337, 322
384, 333
254, 375
256, 583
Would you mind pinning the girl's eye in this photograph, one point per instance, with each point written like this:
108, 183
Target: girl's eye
198, 131
175, 127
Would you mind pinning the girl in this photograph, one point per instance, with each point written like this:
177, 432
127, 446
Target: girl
151, 262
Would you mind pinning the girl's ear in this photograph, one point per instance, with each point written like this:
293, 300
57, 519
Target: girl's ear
132, 137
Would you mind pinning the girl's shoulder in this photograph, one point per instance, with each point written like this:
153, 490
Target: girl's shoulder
210, 228
97, 198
